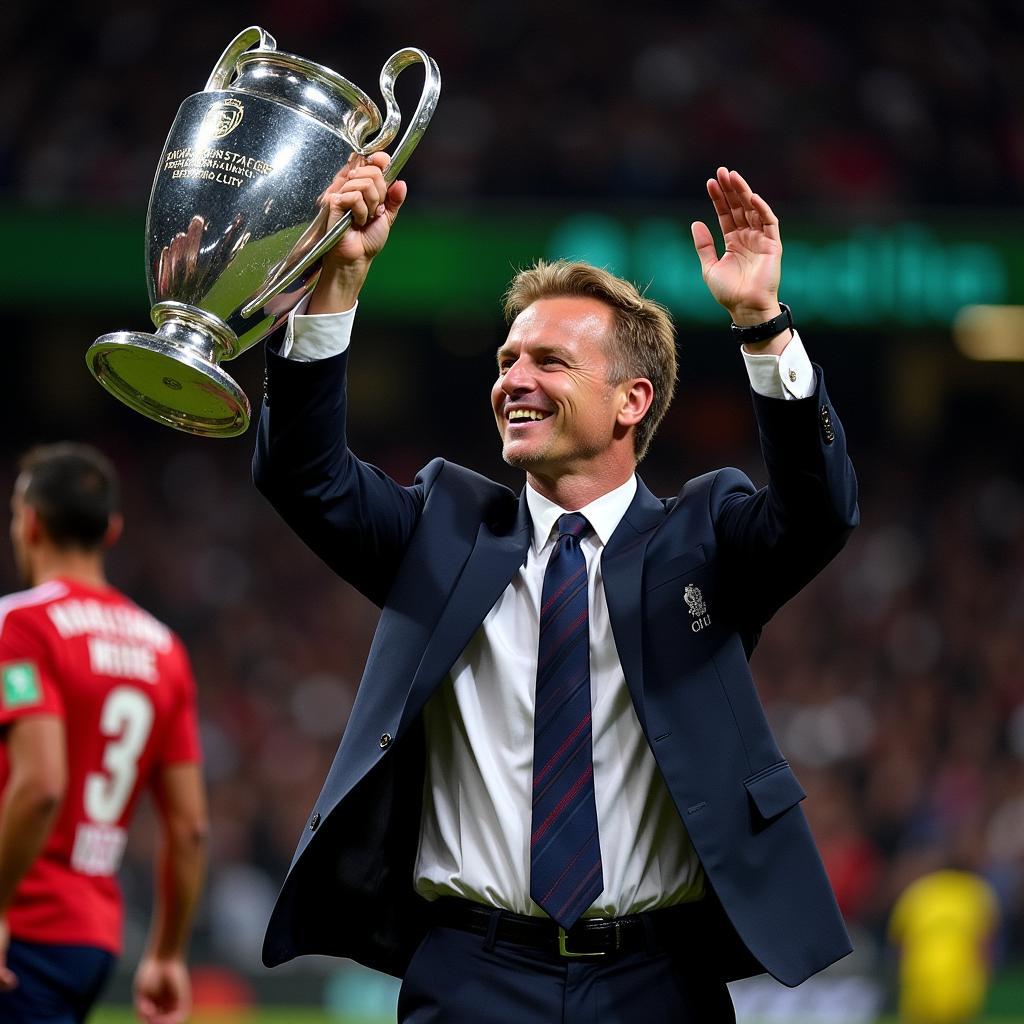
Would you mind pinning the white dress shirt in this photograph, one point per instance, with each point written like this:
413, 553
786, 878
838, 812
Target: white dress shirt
477, 791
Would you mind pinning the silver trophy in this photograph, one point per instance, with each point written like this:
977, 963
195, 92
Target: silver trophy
237, 221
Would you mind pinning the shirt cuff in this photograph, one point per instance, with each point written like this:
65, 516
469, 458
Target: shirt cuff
789, 376
309, 337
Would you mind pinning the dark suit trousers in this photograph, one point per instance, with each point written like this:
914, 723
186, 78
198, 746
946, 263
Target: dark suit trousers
455, 978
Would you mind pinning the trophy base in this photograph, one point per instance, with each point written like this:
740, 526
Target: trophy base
169, 383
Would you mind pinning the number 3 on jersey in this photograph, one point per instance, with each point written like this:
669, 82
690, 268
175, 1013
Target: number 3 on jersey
127, 718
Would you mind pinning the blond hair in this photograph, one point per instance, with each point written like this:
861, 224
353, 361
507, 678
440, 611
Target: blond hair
643, 337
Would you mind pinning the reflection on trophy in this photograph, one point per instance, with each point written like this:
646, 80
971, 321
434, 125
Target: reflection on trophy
237, 222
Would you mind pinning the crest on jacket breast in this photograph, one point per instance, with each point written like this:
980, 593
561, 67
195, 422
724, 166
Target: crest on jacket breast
698, 609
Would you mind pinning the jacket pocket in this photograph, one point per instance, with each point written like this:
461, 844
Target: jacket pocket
774, 789
666, 572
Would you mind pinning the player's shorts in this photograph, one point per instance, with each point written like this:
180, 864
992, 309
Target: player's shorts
56, 984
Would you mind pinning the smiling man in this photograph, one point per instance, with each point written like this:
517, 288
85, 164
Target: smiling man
578, 397
557, 797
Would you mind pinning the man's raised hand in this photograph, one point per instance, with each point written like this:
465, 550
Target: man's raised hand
358, 188
745, 279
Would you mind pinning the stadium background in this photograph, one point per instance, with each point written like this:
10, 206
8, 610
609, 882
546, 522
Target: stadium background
890, 142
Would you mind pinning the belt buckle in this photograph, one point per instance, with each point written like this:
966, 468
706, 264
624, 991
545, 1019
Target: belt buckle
563, 951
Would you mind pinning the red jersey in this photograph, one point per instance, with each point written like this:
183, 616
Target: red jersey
122, 684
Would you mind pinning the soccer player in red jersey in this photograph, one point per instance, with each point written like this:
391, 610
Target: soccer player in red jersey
97, 703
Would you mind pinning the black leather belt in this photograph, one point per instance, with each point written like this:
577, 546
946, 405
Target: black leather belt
590, 936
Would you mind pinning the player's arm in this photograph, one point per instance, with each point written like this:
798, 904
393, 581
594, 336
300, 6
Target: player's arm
32, 797
162, 991
29, 806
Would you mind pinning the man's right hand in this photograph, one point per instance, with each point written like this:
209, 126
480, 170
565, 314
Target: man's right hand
358, 188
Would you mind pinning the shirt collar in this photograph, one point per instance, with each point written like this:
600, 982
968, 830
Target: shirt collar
604, 514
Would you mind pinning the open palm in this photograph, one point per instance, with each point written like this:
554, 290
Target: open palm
745, 279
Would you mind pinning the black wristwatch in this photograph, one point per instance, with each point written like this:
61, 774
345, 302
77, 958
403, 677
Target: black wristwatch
762, 332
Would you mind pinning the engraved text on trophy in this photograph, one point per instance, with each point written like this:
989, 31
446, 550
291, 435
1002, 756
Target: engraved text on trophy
215, 164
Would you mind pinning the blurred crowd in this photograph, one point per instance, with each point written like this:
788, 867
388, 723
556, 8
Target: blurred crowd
895, 681
828, 105
896, 685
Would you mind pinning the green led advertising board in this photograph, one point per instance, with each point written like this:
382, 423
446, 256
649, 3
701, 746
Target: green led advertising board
908, 273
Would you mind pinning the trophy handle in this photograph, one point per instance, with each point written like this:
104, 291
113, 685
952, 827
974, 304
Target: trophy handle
250, 37
394, 65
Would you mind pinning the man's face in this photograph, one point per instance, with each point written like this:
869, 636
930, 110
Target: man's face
552, 402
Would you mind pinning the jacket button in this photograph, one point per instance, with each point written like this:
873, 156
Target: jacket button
385, 741
314, 821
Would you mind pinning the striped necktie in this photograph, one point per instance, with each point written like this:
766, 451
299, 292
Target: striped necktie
565, 855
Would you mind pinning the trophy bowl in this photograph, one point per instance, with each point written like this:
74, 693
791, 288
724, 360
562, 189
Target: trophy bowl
237, 221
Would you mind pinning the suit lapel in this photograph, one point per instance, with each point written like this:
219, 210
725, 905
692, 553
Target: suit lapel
499, 551
622, 566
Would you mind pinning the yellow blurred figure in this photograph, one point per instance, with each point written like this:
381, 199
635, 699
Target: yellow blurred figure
943, 924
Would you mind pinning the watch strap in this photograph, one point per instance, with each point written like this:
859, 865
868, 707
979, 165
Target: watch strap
762, 332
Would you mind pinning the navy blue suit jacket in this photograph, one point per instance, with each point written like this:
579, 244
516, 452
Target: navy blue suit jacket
436, 555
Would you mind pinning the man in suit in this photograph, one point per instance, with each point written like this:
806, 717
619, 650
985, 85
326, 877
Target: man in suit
557, 796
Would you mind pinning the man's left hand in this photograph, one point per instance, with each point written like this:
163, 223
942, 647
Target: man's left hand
745, 280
